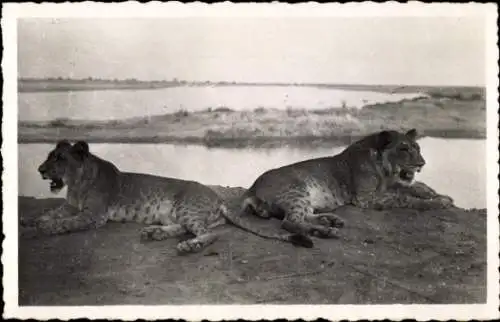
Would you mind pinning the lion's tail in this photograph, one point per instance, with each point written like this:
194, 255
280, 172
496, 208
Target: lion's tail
238, 220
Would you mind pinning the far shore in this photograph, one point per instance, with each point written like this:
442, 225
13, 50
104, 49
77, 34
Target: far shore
258, 142
458, 116
27, 85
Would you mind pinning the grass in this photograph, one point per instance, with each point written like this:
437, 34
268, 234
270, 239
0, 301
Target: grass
448, 112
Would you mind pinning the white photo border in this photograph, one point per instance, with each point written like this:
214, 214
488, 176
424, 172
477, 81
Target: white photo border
13, 11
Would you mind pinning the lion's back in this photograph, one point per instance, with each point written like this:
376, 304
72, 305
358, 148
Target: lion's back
134, 184
326, 177
314, 173
144, 197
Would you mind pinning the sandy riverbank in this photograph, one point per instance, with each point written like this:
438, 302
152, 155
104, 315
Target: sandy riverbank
451, 116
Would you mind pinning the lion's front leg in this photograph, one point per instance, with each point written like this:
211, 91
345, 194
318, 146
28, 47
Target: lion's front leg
91, 217
418, 189
83, 221
371, 194
65, 210
423, 191
31, 226
389, 200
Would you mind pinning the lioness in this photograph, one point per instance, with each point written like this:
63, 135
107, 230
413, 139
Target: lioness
98, 191
375, 172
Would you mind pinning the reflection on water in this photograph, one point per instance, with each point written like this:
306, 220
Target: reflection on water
447, 170
108, 104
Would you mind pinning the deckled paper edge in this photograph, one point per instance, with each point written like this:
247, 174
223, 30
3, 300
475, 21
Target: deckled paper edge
13, 11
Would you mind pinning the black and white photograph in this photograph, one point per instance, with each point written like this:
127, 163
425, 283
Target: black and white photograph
252, 161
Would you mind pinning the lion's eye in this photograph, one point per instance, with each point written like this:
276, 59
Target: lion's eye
404, 148
59, 157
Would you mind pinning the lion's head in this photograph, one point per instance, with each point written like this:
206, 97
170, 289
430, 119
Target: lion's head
62, 162
400, 155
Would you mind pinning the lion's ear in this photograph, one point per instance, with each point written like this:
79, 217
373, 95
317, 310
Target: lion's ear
384, 138
412, 134
63, 144
80, 149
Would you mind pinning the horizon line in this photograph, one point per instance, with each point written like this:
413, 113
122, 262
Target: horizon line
175, 80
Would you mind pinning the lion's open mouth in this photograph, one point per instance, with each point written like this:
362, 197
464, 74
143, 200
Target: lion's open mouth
407, 175
56, 185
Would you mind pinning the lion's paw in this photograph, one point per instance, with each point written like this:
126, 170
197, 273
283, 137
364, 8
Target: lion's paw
28, 232
44, 223
325, 232
27, 221
190, 246
443, 202
152, 233
331, 221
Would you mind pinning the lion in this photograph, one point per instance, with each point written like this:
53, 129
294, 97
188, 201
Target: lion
376, 172
99, 192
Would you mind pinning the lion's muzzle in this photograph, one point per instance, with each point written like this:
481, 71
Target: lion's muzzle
408, 173
42, 169
56, 184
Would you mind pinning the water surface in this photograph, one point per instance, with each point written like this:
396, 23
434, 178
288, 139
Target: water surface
111, 104
447, 170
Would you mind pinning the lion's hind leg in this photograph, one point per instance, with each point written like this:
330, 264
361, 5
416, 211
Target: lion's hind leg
203, 238
196, 224
257, 207
198, 243
297, 211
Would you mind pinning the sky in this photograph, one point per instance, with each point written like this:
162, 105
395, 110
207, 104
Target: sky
355, 50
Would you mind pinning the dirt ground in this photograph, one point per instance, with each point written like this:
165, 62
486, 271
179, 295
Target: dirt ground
400, 256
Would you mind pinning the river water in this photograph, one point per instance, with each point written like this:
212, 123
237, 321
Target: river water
111, 104
449, 168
